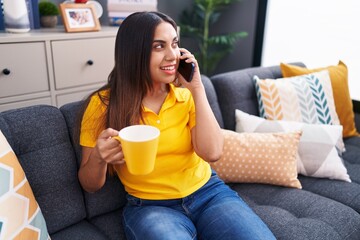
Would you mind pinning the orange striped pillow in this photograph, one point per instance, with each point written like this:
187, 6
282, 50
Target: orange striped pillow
340, 87
307, 98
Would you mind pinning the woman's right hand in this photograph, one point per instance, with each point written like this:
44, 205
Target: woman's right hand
108, 148
94, 162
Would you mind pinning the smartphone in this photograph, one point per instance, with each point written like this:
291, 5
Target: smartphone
186, 69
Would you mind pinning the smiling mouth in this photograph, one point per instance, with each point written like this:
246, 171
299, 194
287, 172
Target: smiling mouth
168, 68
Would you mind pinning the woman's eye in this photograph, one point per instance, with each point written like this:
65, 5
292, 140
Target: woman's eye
158, 46
175, 44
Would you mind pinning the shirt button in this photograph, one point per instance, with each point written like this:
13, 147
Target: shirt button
158, 121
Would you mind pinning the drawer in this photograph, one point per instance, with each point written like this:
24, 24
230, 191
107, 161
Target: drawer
27, 103
63, 99
82, 62
27, 68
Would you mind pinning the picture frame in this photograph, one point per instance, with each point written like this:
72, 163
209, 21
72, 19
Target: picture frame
79, 17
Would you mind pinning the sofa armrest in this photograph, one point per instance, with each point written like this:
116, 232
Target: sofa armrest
356, 107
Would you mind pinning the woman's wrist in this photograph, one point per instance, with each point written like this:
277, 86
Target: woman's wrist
95, 159
197, 89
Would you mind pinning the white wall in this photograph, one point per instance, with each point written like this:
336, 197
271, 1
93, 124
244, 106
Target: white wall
318, 33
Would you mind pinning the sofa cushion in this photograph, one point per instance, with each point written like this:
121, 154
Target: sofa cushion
298, 214
346, 193
111, 224
352, 158
213, 100
340, 87
236, 90
269, 158
39, 135
20, 215
80, 231
112, 195
318, 156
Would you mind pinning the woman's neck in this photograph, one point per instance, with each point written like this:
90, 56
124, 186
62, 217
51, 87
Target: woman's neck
155, 98
158, 89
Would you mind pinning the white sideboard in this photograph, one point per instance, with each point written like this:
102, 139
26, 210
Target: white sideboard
50, 66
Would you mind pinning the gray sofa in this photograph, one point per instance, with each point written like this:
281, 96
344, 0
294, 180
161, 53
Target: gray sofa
44, 140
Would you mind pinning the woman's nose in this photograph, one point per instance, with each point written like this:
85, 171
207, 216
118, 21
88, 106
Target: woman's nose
171, 54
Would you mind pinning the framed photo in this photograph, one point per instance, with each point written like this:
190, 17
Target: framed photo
79, 17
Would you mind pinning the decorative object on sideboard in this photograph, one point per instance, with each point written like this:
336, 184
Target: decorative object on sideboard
1, 16
16, 19
98, 8
79, 17
118, 10
49, 13
33, 12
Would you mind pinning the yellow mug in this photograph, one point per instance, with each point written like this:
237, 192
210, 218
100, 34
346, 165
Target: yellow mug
139, 144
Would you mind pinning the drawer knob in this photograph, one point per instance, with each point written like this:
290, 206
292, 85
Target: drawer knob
6, 71
90, 62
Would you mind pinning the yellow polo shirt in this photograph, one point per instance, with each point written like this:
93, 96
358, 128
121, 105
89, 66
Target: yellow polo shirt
178, 170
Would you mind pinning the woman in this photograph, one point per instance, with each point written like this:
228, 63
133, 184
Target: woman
182, 198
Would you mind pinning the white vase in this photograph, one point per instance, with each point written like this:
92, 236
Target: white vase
16, 17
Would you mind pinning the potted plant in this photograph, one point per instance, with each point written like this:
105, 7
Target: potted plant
196, 25
48, 12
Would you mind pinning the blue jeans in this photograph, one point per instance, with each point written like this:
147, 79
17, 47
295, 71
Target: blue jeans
213, 212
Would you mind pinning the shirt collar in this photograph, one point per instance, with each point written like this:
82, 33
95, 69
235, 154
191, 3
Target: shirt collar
176, 94
173, 96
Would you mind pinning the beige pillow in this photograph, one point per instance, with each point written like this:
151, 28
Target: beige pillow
269, 158
318, 155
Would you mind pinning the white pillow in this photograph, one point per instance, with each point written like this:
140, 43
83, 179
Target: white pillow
318, 155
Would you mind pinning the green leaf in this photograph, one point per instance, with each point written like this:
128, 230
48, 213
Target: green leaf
228, 39
186, 30
196, 24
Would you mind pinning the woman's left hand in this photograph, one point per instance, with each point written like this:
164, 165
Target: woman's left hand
196, 79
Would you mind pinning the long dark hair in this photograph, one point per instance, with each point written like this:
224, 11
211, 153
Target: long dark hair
129, 80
